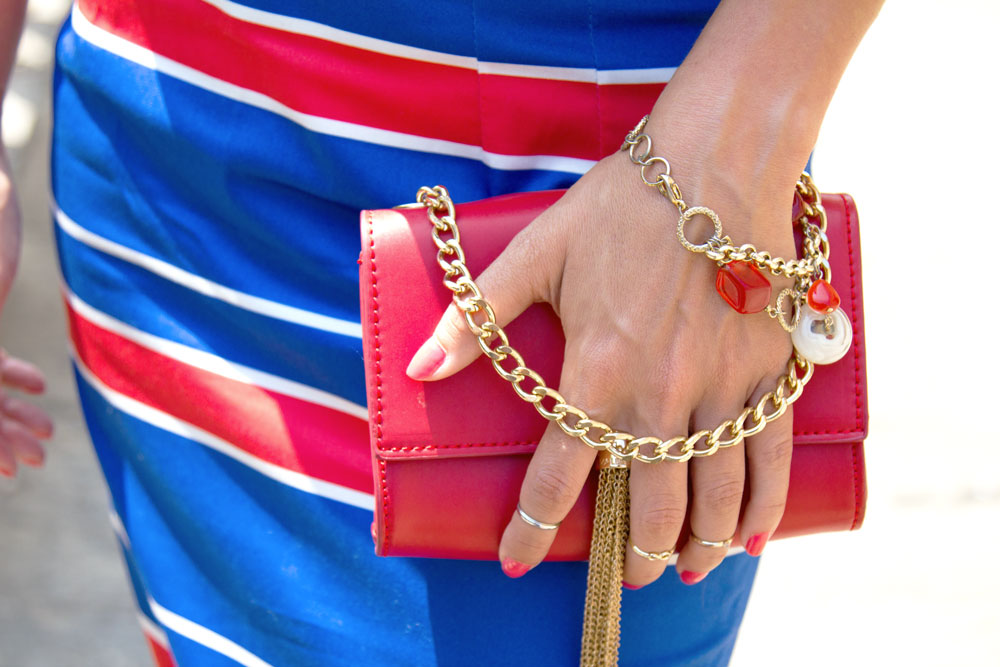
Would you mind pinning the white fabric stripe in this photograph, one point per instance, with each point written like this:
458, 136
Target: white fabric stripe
211, 362
150, 627
171, 424
336, 128
631, 76
152, 630
601, 77
331, 34
196, 283
119, 527
202, 635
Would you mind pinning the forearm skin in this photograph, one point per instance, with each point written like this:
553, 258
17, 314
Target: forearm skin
746, 105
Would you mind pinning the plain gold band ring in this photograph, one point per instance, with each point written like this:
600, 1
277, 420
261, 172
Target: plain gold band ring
724, 544
532, 521
653, 555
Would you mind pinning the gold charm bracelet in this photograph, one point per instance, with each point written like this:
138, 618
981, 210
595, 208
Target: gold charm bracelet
740, 281
495, 345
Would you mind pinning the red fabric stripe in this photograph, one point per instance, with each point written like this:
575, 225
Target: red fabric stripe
505, 114
289, 432
162, 657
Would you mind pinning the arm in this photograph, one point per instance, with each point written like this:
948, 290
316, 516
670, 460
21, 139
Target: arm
21, 424
11, 21
650, 347
747, 103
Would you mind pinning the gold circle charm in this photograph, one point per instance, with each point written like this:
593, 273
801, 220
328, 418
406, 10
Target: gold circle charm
777, 311
686, 217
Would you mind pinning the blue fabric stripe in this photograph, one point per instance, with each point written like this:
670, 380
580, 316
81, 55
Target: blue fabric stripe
565, 34
256, 203
236, 552
320, 359
280, 572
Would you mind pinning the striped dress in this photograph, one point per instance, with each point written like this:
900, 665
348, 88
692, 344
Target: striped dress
209, 162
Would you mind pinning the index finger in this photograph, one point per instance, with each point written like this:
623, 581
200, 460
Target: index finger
557, 473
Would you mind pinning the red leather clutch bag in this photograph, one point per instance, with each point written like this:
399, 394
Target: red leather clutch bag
449, 456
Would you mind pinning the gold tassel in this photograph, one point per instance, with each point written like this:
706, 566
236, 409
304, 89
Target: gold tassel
603, 609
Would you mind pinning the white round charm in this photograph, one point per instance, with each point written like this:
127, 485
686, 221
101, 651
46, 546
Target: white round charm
823, 338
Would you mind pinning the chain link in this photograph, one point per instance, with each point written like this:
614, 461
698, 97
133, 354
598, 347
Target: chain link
573, 421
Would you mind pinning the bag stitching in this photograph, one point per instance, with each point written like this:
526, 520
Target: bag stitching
857, 366
377, 358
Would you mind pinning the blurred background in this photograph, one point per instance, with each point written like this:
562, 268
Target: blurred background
912, 134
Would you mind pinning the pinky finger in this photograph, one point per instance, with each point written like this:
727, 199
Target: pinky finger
769, 461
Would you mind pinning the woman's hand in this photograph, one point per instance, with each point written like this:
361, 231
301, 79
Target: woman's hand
651, 348
22, 424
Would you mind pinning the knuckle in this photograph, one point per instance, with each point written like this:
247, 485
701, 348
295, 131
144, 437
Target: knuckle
661, 513
530, 260
724, 495
553, 490
530, 544
596, 377
773, 508
453, 329
776, 455
602, 357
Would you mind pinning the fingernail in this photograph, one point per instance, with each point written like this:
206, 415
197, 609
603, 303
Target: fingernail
513, 568
755, 545
692, 578
427, 360
629, 586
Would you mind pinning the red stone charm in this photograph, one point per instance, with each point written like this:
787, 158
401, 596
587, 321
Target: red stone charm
743, 286
822, 298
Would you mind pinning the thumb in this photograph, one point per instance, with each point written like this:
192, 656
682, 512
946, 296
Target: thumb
519, 276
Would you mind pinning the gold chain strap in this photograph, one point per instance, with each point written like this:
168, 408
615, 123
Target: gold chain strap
598, 435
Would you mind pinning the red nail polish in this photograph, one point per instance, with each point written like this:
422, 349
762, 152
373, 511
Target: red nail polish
513, 569
755, 545
692, 578
629, 586
428, 359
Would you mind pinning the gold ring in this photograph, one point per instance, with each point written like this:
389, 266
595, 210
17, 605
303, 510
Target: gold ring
713, 544
531, 521
653, 555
